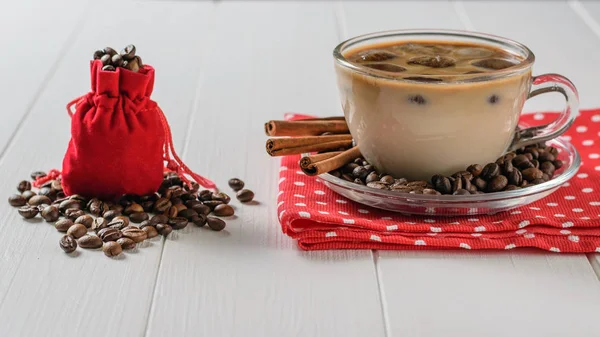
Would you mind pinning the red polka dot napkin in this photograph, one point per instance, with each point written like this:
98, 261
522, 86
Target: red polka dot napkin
568, 220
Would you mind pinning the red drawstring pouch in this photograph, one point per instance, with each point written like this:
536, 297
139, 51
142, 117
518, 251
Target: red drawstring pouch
120, 139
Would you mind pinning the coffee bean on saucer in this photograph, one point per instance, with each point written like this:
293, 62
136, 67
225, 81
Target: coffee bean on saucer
17, 200
519, 160
515, 178
387, 179
68, 244
442, 184
431, 191
90, 241
456, 184
28, 212
545, 177
348, 177
348, 168
475, 169
358, 181
377, 185
50, 213
558, 163
512, 188
535, 163
498, 183
534, 152
373, 176
461, 192
236, 184
490, 171
418, 183
479, 183
532, 173
546, 156
507, 167
537, 181
245, 195
63, 225
360, 172
112, 249
223, 210
548, 168
216, 224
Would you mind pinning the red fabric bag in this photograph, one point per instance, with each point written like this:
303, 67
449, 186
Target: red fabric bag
120, 138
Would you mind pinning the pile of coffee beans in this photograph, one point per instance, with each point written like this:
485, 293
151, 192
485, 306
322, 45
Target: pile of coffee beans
528, 166
120, 225
111, 60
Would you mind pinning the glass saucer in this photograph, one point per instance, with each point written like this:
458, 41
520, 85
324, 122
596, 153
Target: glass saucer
458, 205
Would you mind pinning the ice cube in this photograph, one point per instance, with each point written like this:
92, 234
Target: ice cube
424, 49
389, 67
432, 61
472, 52
423, 79
375, 55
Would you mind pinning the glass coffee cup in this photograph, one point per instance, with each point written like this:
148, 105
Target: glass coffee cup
440, 122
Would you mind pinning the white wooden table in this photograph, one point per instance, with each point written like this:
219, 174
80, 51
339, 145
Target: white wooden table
226, 66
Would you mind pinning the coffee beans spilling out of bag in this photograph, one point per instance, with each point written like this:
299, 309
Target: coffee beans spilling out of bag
528, 166
122, 224
126, 58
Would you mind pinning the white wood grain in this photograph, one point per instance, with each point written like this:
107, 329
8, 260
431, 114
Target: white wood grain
486, 293
44, 292
251, 280
33, 34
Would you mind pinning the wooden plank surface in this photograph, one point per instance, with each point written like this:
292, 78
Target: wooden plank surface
251, 280
44, 292
488, 293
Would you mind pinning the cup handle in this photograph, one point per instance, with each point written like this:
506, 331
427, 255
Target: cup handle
541, 85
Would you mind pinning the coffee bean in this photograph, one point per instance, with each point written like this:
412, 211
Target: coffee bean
112, 249
179, 207
68, 244
37, 174
418, 183
48, 192
178, 223
164, 229
512, 188
507, 167
176, 201
520, 160
349, 168
223, 210
534, 152
138, 217
171, 212
360, 172
348, 177
461, 191
56, 185
515, 178
526, 165
135, 234
109, 51
105, 60
537, 181
377, 185
524, 183
146, 223
528, 156
199, 220
69, 204
221, 196
98, 54
498, 183
117, 60
77, 231
387, 179
490, 171
73, 213
39, 200
17, 200
28, 212
371, 177
401, 188
532, 173
465, 182
212, 203
358, 181
416, 190
545, 177
548, 168
109, 234
475, 169
50, 213
118, 223
24, 186
108, 67
535, 163
128, 52
133, 208
63, 225
245, 195
441, 184
456, 184
151, 232
110, 214
85, 220
133, 64
161, 205
187, 213
216, 224
126, 243
99, 223
546, 156
160, 218
431, 191
480, 183
176, 192
558, 163
90, 241
28, 194
401, 181
472, 188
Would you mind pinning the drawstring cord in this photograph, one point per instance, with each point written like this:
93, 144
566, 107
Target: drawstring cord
51, 175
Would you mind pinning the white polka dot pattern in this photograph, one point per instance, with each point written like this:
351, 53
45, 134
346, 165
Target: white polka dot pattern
568, 220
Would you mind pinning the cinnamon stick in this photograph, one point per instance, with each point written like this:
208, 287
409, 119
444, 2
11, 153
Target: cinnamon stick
306, 127
308, 160
331, 163
281, 143
318, 147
